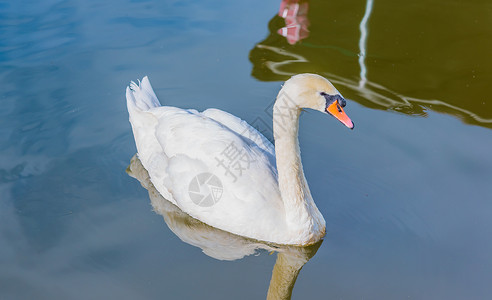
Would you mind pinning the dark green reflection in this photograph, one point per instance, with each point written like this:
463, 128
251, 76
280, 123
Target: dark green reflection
420, 55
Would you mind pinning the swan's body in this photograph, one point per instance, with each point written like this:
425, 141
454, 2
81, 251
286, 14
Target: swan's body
257, 200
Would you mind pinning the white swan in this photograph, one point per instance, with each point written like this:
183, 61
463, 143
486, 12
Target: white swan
190, 155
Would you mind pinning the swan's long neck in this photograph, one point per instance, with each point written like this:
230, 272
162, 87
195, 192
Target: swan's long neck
302, 215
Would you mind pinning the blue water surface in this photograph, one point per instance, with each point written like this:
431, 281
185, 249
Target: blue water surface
407, 199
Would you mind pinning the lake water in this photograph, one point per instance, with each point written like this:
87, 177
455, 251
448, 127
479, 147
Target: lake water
407, 195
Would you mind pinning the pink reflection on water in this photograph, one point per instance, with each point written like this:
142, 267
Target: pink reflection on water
296, 22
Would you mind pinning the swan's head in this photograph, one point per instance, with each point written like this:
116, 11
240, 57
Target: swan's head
316, 92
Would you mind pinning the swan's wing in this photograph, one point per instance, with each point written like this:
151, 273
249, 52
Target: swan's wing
242, 128
217, 175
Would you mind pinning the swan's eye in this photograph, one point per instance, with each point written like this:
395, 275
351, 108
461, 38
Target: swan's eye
342, 102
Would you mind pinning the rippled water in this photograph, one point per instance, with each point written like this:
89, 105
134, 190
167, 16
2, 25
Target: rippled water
407, 195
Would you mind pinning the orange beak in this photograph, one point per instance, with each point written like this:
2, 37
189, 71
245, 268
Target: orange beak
336, 110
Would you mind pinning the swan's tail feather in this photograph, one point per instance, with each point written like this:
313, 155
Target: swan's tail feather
141, 96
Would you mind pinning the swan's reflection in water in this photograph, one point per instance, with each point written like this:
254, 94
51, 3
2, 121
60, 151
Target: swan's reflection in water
223, 245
